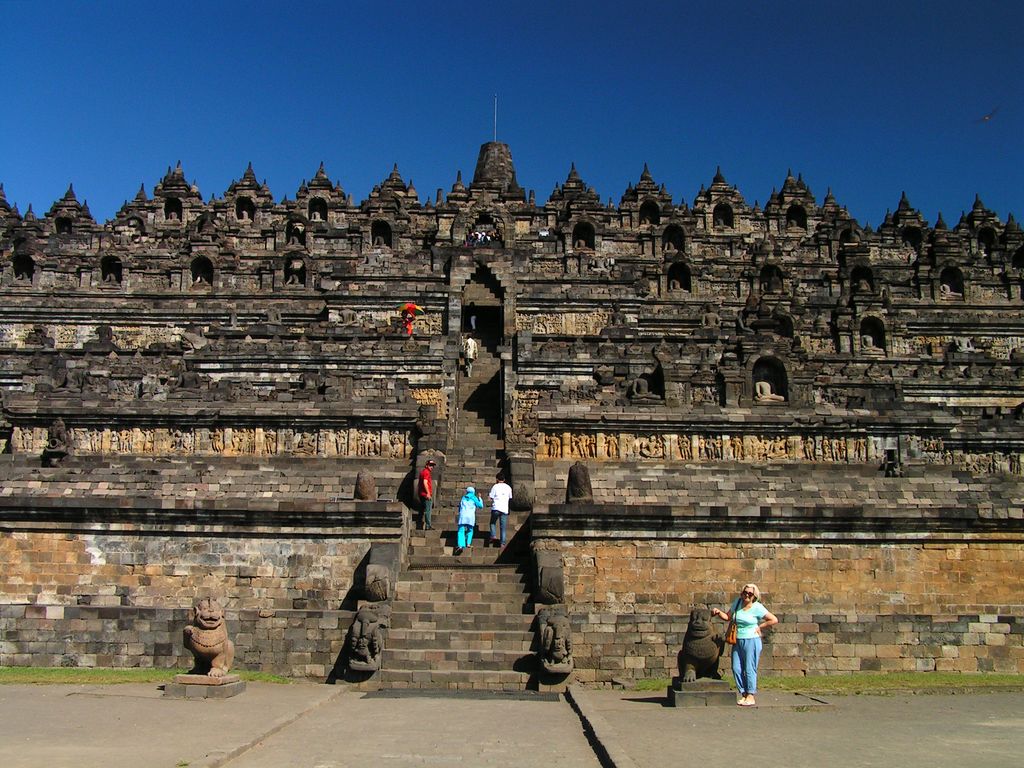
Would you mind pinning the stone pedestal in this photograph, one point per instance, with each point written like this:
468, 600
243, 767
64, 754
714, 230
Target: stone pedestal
204, 687
701, 693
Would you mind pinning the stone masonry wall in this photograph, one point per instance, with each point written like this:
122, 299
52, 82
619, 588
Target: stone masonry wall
841, 607
244, 572
116, 600
296, 643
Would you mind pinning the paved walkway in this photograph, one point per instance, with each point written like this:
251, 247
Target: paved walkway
319, 726
788, 730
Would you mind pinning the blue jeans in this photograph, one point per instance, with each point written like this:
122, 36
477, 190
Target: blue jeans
745, 655
498, 518
465, 535
428, 507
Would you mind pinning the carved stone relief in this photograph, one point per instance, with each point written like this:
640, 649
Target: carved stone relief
988, 463
569, 323
434, 397
226, 441
682, 447
524, 408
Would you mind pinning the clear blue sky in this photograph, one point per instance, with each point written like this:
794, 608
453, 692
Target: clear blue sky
870, 98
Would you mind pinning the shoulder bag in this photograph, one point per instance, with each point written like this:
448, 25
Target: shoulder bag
730, 629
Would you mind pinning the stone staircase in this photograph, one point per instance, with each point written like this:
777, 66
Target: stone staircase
477, 450
461, 625
465, 622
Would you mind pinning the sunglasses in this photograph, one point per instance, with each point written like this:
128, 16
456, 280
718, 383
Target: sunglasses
747, 594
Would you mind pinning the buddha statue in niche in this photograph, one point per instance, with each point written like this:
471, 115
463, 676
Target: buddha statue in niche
763, 393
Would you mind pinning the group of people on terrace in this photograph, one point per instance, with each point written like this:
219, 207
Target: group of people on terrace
477, 237
500, 497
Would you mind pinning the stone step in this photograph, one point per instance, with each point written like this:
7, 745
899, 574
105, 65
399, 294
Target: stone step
478, 446
484, 369
444, 542
448, 660
445, 548
482, 473
498, 605
443, 577
497, 593
447, 578
481, 549
481, 622
474, 557
468, 680
460, 639
445, 530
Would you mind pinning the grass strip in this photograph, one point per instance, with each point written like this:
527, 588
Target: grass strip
97, 676
868, 683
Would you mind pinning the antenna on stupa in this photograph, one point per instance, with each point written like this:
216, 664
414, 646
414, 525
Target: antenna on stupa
495, 117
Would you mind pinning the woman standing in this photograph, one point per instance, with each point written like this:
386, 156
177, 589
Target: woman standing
467, 518
751, 618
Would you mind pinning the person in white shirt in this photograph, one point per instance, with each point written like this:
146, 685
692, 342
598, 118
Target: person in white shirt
469, 353
500, 495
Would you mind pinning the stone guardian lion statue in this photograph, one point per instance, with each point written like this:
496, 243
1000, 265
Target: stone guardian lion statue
206, 636
701, 647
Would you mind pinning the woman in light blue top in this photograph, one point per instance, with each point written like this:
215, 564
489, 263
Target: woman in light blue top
467, 518
751, 618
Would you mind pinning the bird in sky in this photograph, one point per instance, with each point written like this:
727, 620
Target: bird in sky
987, 117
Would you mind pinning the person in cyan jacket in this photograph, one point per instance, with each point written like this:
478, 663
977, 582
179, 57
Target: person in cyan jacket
467, 518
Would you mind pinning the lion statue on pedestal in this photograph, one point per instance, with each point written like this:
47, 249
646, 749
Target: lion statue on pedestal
206, 636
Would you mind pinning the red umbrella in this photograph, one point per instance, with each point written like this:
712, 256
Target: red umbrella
416, 309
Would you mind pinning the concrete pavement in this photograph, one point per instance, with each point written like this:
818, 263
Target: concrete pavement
786, 730
320, 726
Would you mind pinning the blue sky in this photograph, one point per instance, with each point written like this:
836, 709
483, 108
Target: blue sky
867, 98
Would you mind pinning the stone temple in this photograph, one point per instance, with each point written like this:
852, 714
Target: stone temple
779, 395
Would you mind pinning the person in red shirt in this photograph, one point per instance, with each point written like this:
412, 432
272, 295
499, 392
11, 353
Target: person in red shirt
427, 492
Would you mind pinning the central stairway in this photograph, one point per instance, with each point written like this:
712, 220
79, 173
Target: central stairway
464, 622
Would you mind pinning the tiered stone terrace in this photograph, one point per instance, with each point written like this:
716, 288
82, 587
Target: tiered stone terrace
778, 394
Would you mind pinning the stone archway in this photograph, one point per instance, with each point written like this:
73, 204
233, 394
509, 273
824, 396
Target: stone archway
483, 310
